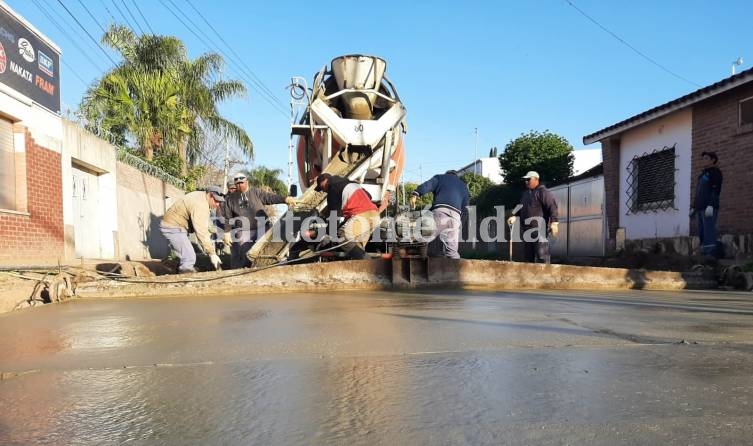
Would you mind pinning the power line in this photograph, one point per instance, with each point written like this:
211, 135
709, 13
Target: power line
205, 38
266, 94
114, 20
63, 31
125, 19
230, 47
629, 45
125, 5
70, 68
87, 33
136, 5
91, 15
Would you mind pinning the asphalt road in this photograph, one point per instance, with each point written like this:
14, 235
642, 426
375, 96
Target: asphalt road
439, 367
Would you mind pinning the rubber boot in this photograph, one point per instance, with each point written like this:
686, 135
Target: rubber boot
357, 253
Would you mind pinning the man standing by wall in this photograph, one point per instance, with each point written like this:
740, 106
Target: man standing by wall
706, 206
451, 199
240, 214
191, 213
351, 202
539, 212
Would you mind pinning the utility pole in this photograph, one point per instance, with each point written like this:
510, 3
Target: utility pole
475, 152
226, 167
290, 146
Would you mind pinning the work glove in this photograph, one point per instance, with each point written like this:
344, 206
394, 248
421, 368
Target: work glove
413, 200
216, 262
226, 239
324, 243
709, 211
290, 201
555, 229
511, 220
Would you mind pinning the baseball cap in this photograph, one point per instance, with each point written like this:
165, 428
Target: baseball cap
319, 181
531, 174
216, 193
239, 177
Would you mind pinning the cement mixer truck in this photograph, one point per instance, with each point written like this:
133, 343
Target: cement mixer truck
350, 123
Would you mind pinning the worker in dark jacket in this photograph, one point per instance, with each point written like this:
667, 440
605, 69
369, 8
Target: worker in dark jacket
706, 206
241, 210
538, 215
451, 199
350, 201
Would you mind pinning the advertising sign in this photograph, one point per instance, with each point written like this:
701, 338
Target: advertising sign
27, 64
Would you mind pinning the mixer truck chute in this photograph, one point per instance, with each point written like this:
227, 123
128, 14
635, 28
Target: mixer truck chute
351, 125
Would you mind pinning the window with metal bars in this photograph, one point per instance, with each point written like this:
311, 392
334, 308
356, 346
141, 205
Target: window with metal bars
651, 181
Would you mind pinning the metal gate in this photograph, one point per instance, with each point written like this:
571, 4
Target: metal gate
582, 218
86, 225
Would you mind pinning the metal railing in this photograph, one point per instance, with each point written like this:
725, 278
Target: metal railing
135, 161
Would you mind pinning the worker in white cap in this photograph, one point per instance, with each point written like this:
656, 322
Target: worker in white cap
538, 211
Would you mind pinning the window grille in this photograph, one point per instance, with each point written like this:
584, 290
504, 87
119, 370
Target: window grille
651, 181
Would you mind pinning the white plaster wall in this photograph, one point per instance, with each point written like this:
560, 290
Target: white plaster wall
98, 156
675, 129
46, 127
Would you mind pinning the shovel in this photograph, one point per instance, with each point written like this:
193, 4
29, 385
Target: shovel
509, 243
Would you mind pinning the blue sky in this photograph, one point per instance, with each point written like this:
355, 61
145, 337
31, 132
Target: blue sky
503, 67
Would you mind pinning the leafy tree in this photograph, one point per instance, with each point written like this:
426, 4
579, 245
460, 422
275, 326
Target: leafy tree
159, 99
476, 183
506, 195
264, 176
547, 153
423, 201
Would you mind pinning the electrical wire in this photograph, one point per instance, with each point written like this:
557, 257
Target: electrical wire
45, 12
91, 15
86, 31
70, 68
230, 47
125, 5
119, 278
260, 87
114, 20
621, 40
148, 25
125, 19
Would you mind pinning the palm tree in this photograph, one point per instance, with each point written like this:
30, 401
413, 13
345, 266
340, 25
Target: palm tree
159, 99
264, 176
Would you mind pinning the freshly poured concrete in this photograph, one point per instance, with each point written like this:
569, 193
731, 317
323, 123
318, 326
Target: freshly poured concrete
449, 367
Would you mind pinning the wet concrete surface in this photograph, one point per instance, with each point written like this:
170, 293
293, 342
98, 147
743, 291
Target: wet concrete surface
432, 367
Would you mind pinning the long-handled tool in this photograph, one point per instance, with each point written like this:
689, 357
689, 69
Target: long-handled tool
509, 241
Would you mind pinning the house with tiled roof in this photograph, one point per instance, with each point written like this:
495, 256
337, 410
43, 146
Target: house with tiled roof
651, 161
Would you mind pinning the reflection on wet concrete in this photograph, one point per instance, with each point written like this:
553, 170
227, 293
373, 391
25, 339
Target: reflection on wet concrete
476, 368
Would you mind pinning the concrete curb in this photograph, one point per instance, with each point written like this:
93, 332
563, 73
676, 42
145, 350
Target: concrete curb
385, 274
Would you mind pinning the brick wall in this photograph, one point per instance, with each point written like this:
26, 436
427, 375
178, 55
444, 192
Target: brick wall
715, 128
37, 237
